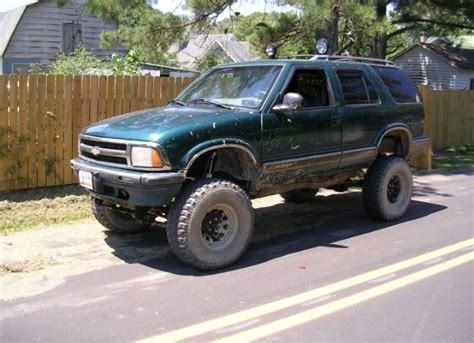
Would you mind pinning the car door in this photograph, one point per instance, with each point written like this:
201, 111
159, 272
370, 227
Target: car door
362, 118
310, 136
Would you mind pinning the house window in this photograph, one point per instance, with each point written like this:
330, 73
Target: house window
356, 88
72, 37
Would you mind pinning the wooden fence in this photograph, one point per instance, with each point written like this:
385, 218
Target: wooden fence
452, 116
42, 115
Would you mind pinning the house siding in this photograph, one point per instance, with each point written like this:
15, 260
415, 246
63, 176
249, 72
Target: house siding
426, 67
39, 33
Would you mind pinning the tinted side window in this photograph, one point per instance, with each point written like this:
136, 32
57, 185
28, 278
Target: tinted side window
399, 85
356, 88
312, 86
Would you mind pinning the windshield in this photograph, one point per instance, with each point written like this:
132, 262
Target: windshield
245, 86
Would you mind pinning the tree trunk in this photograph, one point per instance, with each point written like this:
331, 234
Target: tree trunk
332, 31
379, 46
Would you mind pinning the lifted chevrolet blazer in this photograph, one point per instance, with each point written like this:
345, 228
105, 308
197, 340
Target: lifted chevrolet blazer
248, 130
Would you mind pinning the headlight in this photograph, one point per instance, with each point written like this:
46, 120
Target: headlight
146, 157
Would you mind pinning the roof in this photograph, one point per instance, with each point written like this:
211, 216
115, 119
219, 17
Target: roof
457, 57
8, 22
198, 47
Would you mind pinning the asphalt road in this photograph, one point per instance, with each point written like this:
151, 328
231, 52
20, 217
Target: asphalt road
331, 275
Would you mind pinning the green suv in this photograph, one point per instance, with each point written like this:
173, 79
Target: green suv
248, 130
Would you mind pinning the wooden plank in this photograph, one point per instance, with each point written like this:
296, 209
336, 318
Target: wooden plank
141, 92
23, 131
171, 91
126, 94
102, 98
165, 85
156, 91
68, 127
94, 106
14, 160
41, 118
4, 102
118, 95
134, 93
59, 129
76, 119
51, 159
149, 92
178, 86
86, 101
32, 126
110, 96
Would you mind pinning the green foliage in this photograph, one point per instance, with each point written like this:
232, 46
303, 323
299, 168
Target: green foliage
211, 60
147, 31
81, 61
126, 65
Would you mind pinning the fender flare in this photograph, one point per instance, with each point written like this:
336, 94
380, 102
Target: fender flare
216, 144
396, 127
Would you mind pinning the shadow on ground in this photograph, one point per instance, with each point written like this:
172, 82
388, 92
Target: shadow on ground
280, 229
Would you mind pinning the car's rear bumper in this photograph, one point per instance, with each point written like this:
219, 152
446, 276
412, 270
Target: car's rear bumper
130, 188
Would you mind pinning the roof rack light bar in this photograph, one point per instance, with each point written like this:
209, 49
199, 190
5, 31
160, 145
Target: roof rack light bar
352, 59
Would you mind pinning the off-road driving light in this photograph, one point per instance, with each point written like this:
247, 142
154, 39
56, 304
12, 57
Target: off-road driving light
146, 157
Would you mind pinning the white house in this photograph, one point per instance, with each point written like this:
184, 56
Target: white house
439, 66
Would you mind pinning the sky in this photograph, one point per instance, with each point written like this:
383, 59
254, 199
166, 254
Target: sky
245, 7
7, 5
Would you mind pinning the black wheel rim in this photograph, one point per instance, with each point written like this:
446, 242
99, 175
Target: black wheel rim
394, 189
219, 227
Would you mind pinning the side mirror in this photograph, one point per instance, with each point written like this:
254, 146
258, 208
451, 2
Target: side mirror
291, 102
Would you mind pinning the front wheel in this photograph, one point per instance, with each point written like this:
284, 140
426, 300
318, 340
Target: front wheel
116, 221
211, 223
387, 188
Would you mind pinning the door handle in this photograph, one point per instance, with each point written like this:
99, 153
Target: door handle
336, 121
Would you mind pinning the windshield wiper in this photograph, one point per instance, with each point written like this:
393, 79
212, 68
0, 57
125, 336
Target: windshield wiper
176, 101
211, 102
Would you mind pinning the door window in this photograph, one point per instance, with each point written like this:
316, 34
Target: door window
312, 86
356, 88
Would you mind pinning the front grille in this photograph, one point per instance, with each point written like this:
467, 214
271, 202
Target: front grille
106, 145
104, 158
104, 150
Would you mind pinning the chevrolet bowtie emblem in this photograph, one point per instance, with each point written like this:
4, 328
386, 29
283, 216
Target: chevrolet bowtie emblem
95, 151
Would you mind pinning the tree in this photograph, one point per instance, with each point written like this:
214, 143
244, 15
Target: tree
358, 26
141, 28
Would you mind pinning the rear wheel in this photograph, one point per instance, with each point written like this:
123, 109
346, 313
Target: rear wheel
387, 188
115, 220
211, 224
300, 195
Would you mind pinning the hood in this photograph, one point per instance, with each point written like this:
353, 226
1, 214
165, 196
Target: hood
147, 125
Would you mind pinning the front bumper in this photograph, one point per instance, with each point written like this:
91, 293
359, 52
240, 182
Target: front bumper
130, 188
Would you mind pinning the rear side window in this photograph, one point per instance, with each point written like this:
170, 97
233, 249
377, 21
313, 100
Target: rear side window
402, 89
356, 88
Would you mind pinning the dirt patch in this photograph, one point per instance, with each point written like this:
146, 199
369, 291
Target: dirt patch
34, 261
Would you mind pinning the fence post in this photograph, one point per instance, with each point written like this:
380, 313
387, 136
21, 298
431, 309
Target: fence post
424, 159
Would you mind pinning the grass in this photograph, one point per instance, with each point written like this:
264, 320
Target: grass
26, 209
454, 158
21, 210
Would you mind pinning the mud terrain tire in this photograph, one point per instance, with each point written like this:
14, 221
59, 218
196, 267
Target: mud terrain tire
211, 223
300, 195
387, 188
116, 221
